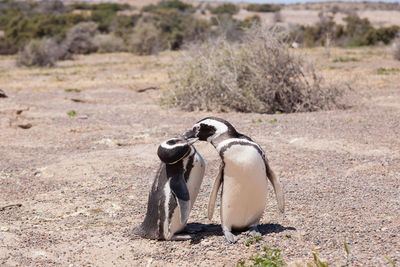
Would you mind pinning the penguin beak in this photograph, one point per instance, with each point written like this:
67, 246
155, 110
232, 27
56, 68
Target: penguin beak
189, 134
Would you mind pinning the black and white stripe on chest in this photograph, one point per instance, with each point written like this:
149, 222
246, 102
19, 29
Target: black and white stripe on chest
245, 146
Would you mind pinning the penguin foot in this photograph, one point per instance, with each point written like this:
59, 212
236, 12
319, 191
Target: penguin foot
253, 231
180, 237
230, 238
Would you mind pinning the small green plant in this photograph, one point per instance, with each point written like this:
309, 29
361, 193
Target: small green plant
288, 235
254, 238
346, 59
384, 71
71, 113
347, 249
390, 260
273, 120
270, 258
255, 121
317, 261
76, 90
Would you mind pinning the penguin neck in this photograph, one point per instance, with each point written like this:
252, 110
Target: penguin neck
220, 138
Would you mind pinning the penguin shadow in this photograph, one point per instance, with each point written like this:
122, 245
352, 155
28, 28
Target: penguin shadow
204, 231
216, 230
268, 228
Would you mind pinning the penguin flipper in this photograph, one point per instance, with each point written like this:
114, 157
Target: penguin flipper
213, 197
276, 185
181, 192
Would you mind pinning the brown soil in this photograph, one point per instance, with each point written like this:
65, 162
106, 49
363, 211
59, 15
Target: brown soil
82, 181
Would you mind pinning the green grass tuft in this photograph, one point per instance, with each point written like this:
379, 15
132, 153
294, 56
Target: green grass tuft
387, 71
76, 90
71, 113
346, 59
317, 261
253, 239
270, 258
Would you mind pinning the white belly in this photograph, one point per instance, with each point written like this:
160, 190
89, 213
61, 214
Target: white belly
244, 187
193, 184
196, 177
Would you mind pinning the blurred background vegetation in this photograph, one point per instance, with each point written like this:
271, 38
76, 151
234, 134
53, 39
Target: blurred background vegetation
238, 61
58, 31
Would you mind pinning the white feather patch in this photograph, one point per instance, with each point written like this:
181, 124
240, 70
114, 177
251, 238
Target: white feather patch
230, 140
168, 146
167, 193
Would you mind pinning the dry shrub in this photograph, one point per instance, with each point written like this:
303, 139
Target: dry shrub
79, 39
41, 53
146, 39
109, 43
257, 75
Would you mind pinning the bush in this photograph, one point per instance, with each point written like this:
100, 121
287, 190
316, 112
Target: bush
356, 29
195, 30
108, 43
263, 8
227, 8
384, 35
50, 7
257, 75
228, 27
41, 53
123, 25
251, 21
7, 48
20, 30
146, 39
8, 14
169, 4
79, 38
172, 29
105, 13
322, 32
103, 17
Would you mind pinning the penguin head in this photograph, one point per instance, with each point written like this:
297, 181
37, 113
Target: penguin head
174, 150
209, 128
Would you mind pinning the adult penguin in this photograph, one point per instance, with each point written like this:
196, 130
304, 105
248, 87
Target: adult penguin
243, 175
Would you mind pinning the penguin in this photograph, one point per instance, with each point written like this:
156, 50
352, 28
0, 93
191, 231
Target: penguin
243, 176
174, 191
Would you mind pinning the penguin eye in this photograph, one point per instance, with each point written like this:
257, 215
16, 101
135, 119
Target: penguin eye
196, 128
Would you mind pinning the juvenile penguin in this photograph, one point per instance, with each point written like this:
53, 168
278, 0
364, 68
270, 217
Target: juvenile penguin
173, 192
243, 174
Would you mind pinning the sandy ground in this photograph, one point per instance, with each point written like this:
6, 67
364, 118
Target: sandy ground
72, 187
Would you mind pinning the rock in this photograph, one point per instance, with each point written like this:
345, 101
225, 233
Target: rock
25, 126
2, 94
